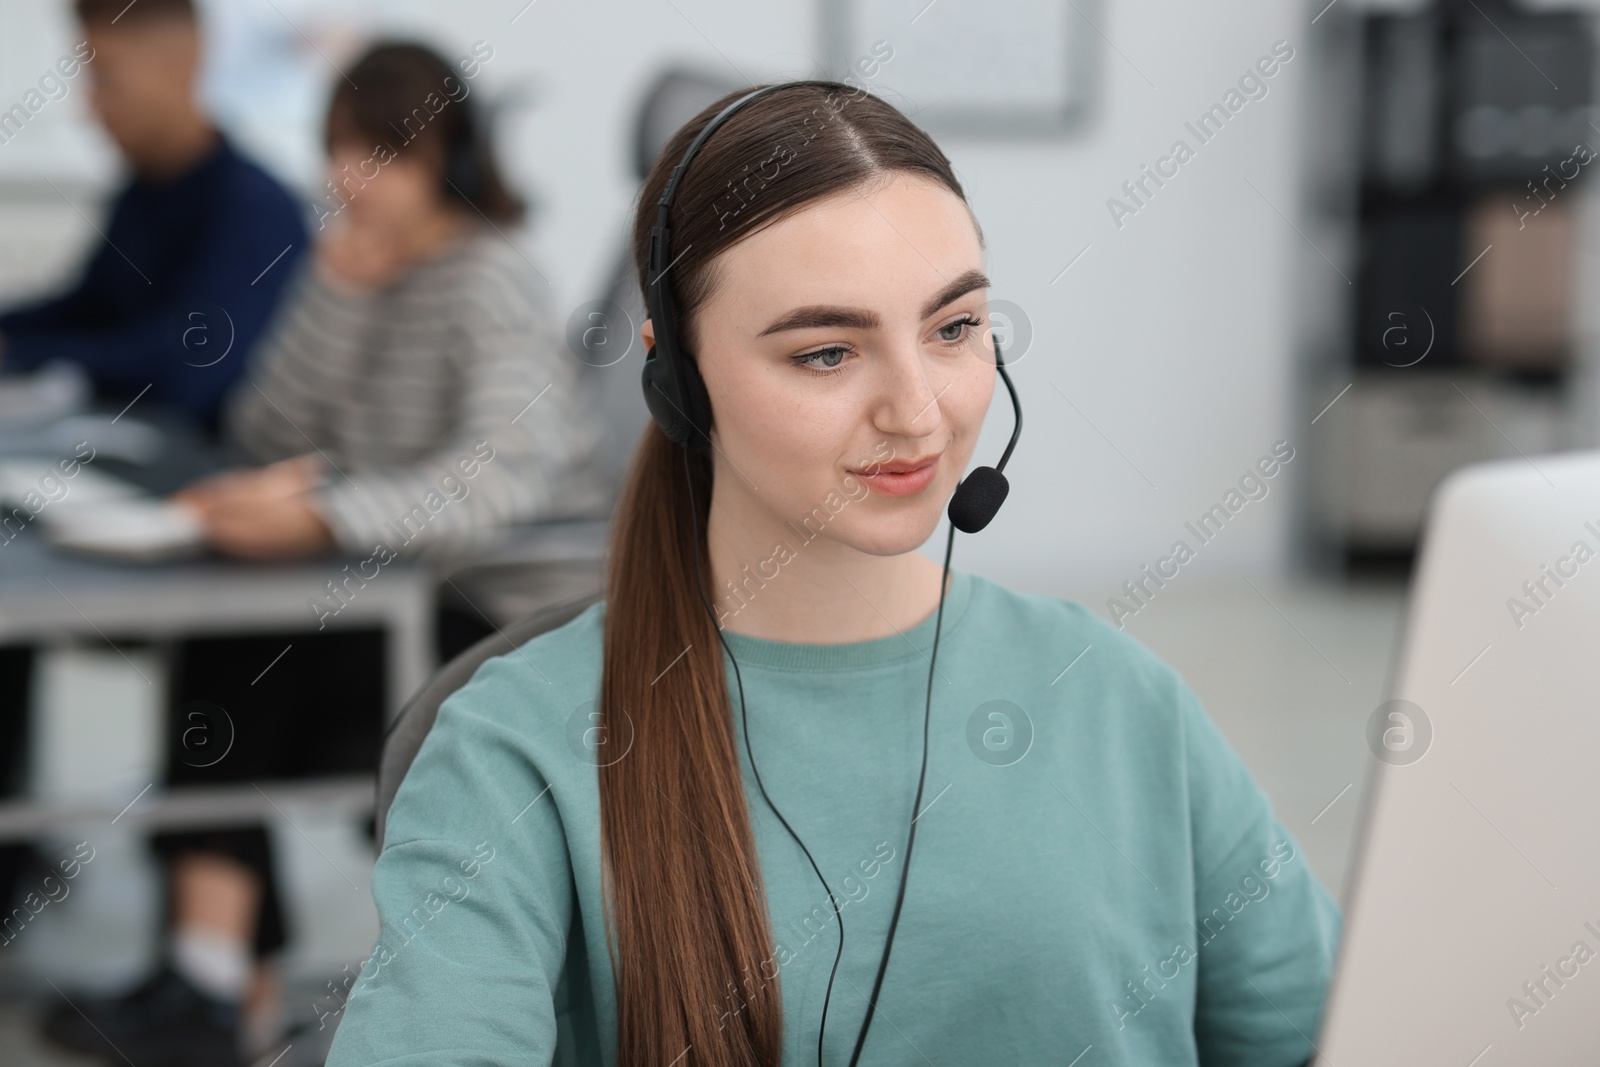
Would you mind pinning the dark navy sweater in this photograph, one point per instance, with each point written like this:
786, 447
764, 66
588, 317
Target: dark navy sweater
179, 291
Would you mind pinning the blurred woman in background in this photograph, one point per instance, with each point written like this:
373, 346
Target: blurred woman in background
415, 345
414, 393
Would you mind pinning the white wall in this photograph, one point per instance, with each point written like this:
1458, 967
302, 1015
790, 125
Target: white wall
1173, 335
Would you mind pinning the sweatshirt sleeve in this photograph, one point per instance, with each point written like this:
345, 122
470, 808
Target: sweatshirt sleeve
475, 902
1266, 929
524, 444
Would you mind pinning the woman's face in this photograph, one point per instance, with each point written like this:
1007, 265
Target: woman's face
382, 189
846, 339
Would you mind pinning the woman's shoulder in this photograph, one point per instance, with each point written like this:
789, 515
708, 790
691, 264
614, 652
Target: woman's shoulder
1058, 653
489, 273
1058, 628
502, 737
522, 686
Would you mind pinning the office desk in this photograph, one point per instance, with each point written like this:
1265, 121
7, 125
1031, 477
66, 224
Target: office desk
45, 594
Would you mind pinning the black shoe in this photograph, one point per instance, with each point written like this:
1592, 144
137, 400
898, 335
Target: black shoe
166, 1022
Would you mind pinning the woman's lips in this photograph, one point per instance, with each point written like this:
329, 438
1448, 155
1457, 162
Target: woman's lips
901, 483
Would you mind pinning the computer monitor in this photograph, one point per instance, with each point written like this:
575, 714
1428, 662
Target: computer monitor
1472, 925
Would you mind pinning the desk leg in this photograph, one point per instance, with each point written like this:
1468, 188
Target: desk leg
410, 650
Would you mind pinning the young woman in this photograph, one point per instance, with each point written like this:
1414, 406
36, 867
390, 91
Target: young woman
613, 849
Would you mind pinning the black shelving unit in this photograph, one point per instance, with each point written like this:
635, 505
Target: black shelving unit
1478, 132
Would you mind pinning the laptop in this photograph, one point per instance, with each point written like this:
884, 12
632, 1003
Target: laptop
1472, 922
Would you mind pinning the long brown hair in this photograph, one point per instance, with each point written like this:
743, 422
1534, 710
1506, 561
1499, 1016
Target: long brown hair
687, 925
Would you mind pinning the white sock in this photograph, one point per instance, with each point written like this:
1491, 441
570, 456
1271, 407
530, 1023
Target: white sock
216, 964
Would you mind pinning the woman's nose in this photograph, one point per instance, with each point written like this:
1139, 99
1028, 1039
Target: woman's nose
908, 403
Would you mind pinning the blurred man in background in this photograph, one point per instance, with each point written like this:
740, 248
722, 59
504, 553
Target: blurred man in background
200, 241
184, 281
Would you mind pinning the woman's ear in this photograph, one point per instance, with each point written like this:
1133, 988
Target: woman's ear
647, 333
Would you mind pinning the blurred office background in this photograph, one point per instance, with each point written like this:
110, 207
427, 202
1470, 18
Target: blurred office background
1384, 258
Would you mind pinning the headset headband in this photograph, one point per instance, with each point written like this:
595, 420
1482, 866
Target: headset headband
673, 389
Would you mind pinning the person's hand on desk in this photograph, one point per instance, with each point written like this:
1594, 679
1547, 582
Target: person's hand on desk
261, 513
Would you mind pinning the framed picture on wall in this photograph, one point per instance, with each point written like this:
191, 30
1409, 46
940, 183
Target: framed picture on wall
1003, 68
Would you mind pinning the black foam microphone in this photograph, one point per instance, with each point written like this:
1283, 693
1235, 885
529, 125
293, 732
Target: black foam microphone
977, 499
979, 495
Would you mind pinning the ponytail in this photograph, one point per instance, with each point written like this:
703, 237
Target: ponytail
687, 923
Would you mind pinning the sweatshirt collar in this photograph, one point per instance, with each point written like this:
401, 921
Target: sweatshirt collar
912, 644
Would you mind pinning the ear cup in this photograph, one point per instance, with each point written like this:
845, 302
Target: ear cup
679, 405
463, 165
658, 397
697, 404
463, 172
673, 389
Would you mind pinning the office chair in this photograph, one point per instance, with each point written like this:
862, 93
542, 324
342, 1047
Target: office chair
411, 726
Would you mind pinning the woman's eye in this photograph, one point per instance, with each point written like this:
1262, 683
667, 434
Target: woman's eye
953, 331
826, 358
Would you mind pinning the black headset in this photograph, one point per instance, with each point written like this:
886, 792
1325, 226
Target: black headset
463, 165
680, 405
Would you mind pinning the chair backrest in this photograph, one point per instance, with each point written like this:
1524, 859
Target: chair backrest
411, 726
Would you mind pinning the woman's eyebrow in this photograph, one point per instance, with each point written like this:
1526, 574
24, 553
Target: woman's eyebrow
815, 315
964, 284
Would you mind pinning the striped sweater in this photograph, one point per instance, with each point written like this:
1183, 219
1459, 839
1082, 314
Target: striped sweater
445, 406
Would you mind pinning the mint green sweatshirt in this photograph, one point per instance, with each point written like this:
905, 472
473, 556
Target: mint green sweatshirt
1096, 879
